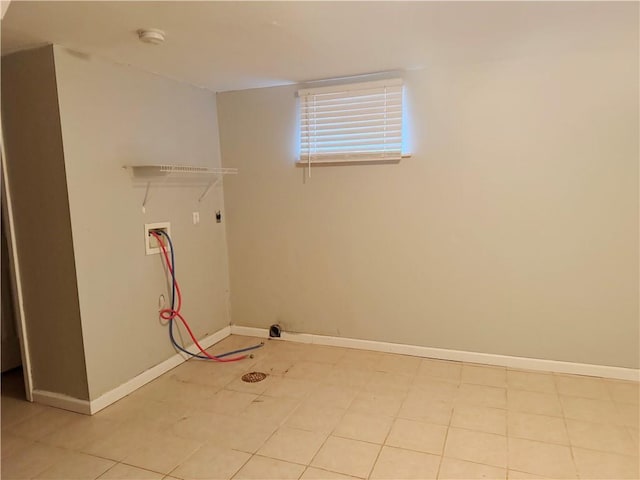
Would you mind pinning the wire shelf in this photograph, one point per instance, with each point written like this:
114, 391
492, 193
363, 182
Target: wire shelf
159, 175
164, 170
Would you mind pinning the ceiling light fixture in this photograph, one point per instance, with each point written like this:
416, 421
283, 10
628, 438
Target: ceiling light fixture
151, 35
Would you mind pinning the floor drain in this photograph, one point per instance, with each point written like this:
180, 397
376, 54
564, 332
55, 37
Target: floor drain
253, 377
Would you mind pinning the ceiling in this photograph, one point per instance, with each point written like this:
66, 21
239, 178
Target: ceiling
237, 45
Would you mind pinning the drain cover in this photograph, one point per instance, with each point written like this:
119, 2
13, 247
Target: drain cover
253, 377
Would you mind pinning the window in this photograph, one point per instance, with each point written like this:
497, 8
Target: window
359, 122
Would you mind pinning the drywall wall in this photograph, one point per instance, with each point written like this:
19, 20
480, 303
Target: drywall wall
512, 229
36, 177
114, 115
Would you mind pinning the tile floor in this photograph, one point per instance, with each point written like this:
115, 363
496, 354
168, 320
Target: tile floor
329, 413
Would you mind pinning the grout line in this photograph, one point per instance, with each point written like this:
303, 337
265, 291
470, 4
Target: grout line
446, 435
566, 426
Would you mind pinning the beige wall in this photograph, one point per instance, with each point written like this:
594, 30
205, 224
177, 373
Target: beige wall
36, 175
112, 116
513, 229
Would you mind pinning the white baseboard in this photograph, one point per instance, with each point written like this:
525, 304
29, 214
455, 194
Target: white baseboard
145, 377
524, 363
90, 407
59, 400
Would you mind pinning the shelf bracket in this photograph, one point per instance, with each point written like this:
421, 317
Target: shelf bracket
212, 184
146, 196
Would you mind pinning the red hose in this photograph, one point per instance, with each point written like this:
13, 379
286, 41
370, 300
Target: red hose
170, 314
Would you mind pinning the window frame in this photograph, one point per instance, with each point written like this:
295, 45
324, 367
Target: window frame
349, 92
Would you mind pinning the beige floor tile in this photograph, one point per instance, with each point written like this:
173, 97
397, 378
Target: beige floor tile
347, 456
424, 410
539, 458
441, 369
117, 445
482, 395
362, 398
37, 426
400, 364
227, 402
483, 419
531, 381
534, 402
272, 410
580, 386
602, 437
289, 387
315, 418
274, 364
452, 468
356, 378
413, 435
377, 403
183, 394
590, 410
15, 411
628, 414
262, 468
312, 473
382, 382
293, 445
153, 390
434, 388
360, 360
238, 433
542, 428
32, 460
123, 410
484, 375
624, 392
398, 464
161, 453
204, 427
80, 432
479, 447
211, 463
204, 373
127, 472
324, 354
332, 396
77, 466
367, 428
157, 416
307, 370
13, 444
601, 465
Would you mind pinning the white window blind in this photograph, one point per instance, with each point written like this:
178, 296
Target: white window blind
351, 123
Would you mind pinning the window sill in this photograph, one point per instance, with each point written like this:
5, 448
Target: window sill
355, 161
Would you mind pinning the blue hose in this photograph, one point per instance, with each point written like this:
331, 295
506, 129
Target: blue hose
173, 303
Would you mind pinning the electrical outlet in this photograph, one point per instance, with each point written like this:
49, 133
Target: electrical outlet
151, 244
196, 218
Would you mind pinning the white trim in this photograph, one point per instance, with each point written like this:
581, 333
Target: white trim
16, 279
524, 363
351, 87
145, 377
59, 400
5, 6
249, 331
90, 407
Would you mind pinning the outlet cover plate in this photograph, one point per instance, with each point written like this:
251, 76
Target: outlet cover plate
150, 243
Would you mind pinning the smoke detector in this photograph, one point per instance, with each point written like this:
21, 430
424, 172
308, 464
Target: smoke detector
151, 35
